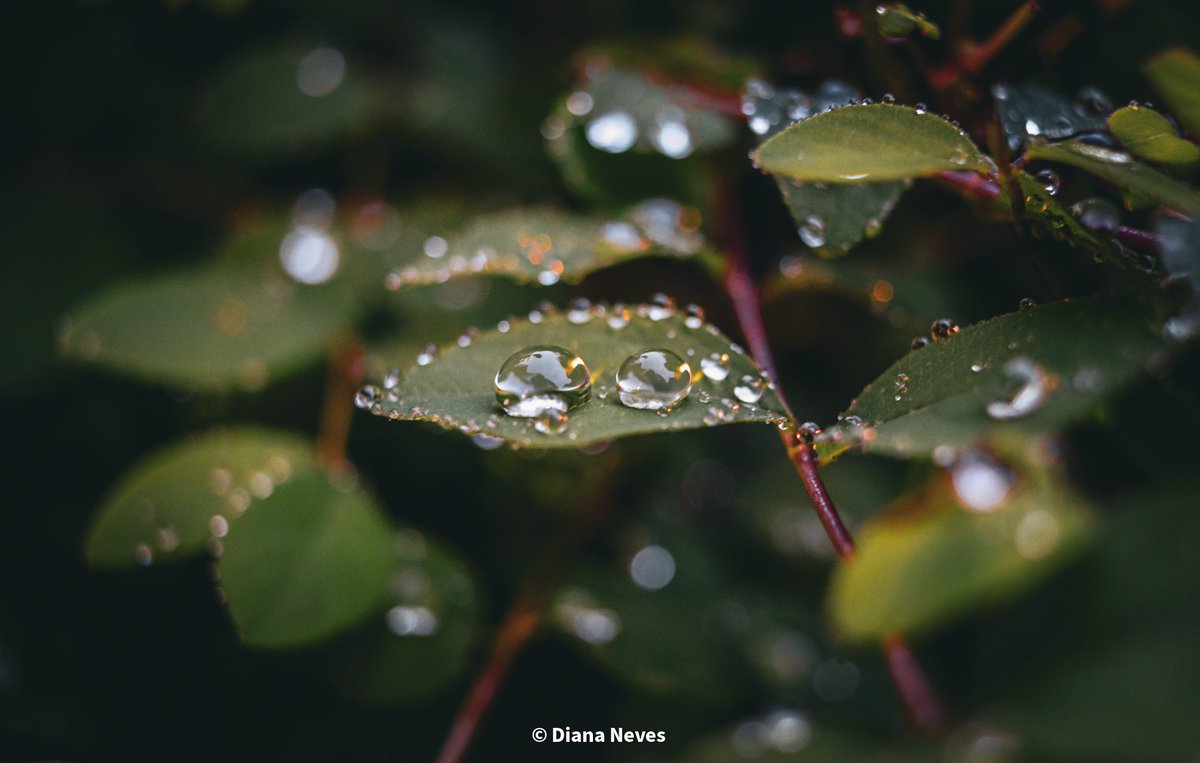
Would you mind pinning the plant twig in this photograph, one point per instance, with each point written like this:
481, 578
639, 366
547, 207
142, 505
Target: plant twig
345, 373
805, 459
978, 55
919, 698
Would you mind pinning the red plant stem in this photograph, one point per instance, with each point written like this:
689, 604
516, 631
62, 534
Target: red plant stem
970, 184
345, 374
919, 698
979, 55
1138, 237
916, 693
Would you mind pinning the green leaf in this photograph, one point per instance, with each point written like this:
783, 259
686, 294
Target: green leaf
1150, 136
1035, 370
212, 327
313, 558
873, 143
831, 219
174, 502
1032, 111
1174, 74
545, 246
456, 389
982, 532
1119, 169
898, 20
424, 641
258, 105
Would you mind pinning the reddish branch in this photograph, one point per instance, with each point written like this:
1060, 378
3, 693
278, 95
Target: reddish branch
919, 698
976, 56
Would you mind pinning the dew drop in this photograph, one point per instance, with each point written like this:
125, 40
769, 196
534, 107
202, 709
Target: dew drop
542, 378
1097, 214
427, 354
661, 306
654, 379
888, 98
808, 432
391, 379
618, 318
1050, 181
579, 312
981, 483
1026, 304
550, 421
715, 366
366, 396
1032, 385
812, 232
750, 388
695, 316
614, 132
920, 108
919, 342
942, 329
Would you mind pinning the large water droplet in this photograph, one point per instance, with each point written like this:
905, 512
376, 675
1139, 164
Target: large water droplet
750, 388
654, 379
942, 329
614, 132
542, 378
1031, 386
812, 232
716, 366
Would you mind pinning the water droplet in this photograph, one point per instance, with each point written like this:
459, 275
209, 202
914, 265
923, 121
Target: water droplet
980, 482
715, 366
920, 108
1097, 214
671, 136
435, 247
652, 568
320, 72
812, 232
427, 354
695, 316
367, 395
580, 311
750, 388
888, 98
1050, 180
654, 379
580, 103
661, 306
1026, 304
412, 621
542, 378
919, 342
808, 432
618, 318
1032, 385
550, 420
614, 132
976, 367
392, 379
900, 384
486, 441
309, 255
942, 329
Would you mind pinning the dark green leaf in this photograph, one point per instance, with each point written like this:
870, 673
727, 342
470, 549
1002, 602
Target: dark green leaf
872, 143
175, 501
1119, 169
456, 389
1035, 370
831, 219
1150, 136
1032, 111
1174, 74
544, 246
313, 558
982, 532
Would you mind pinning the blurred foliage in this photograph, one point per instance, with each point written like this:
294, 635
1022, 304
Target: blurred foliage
211, 205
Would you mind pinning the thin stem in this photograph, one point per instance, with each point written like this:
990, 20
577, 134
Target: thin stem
977, 56
1138, 237
920, 700
345, 373
970, 184
805, 459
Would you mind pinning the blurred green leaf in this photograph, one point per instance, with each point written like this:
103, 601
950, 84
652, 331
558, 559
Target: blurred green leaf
311, 559
831, 219
211, 327
1151, 136
175, 501
456, 389
285, 99
1032, 111
1174, 74
873, 143
1119, 169
1048, 216
424, 640
982, 532
545, 246
898, 20
1034, 370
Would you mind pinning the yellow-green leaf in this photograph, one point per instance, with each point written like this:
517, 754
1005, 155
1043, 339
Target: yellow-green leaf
898, 20
1174, 74
1119, 168
1149, 135
871, 143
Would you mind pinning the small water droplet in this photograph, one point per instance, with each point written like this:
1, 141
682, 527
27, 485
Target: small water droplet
652, 568
715, 366
391, 379
695, 316
919, 342
580, 311
661, 306
942, 329
900, 384
1030, 385
541, 378
654, 379
618, 318
427, 354
435, 247
1050, 180
812, 232
750, 388
550, 421
367, 395
808, 432
976, 367
888, 98
1097, 213
981, 483
1026, 304
920, 108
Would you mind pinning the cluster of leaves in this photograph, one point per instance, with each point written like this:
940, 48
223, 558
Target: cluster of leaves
951, 464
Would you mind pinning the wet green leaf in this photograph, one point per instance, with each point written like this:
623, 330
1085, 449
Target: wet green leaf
456, 389
313, 558
984, 531
546, 246
1032, 111
1150, 136
212, 327
1174, 74
1048, 215
898, 20
1038, 370
423, 642
283, 100
172, 503
873, 143
831, 219
1119, 169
